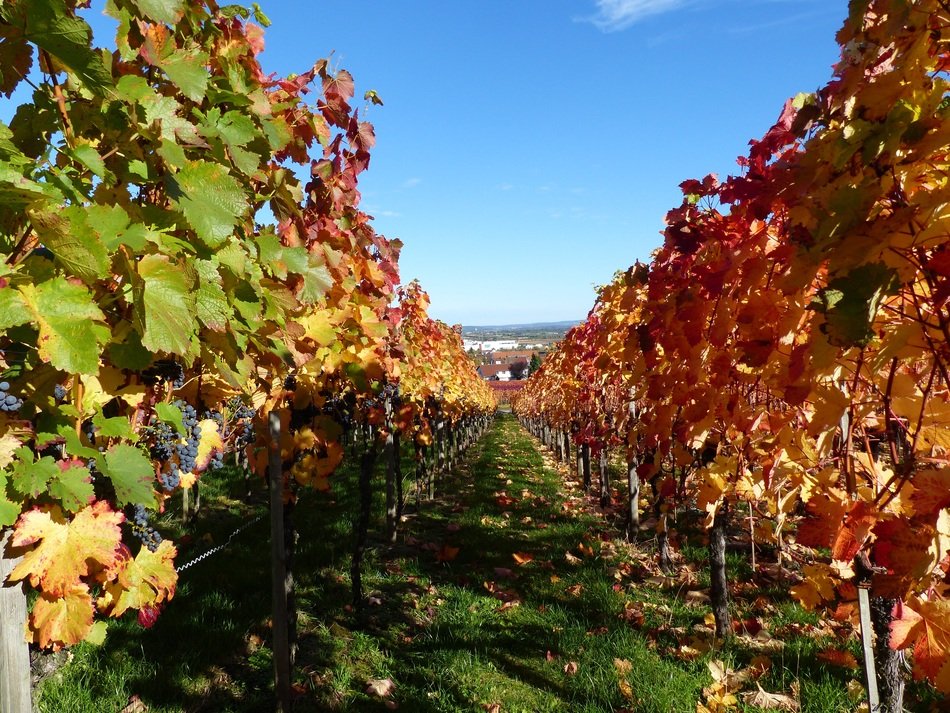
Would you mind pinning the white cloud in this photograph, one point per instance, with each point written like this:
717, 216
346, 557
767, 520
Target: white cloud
616, 15
411, 182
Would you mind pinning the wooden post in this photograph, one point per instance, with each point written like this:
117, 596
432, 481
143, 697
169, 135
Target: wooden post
718, 581
280, 578
390, 456
585, 465
867, 645
14, 651
633, 499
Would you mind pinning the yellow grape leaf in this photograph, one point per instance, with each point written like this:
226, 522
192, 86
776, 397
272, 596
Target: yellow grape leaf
8, 445
62, 620
318, 326
66, 548
817, 587
147, 580
209, 443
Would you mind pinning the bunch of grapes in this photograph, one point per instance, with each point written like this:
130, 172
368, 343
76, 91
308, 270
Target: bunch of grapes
217, 458
164, 439
242, 416
166, 370
8, 402
143, 531
187, 450
170, 478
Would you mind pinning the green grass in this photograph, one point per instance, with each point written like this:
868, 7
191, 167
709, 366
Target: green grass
434, 627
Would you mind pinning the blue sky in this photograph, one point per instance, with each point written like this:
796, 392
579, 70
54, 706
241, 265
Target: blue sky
528, 149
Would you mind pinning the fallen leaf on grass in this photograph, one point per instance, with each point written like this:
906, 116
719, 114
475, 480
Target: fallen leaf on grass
503, 500
135, 706
692, 650
570, 668
575, 590
380, 687
770, 701
696, 597
492, 707
632, 614
504, 573
626, 690
571, 559
446, 554
763, 643
837, 657
522, 557
623, 666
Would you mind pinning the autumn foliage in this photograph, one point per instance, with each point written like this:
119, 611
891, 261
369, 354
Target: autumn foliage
141, 283
788, 345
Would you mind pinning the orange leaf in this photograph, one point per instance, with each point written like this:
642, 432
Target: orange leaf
932, 629
64, 619
837, 657
522, 557
65, 550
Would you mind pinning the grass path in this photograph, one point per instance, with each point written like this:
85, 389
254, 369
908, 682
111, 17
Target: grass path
508, 593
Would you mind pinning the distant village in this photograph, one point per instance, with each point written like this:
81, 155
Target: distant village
506, 360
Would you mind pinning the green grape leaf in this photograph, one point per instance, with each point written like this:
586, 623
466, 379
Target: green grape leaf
316, 281
13, 310
74, 244
166, 11
211, 200
850, 303
9, 510
213, 308
131, 474
188, 69
18, 191
117, 427
171, 414
165, 304
30, 477
130, 354
90, 158
74, 446
48, 24
111, 225
70, 324
73, 488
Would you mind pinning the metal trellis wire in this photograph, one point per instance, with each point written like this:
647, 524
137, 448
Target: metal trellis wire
224, 545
